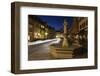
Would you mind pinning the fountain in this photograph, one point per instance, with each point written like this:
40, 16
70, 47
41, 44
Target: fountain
63, 49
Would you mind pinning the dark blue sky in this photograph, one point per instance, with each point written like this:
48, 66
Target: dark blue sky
56, 21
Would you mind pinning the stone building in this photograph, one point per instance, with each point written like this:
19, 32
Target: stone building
39, 30
80, 26
83, 26
79, 30
59, 34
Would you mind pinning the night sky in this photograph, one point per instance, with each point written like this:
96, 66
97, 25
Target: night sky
57, 21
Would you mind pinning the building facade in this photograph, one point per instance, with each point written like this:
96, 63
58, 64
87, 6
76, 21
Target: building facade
39, 30
79, 30
83, 26
59, 34
80, 26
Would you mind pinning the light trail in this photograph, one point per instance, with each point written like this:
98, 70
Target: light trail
56, 40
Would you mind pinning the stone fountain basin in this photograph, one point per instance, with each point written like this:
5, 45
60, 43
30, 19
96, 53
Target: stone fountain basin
57, 51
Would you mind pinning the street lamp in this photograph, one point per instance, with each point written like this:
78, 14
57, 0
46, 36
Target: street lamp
46, 33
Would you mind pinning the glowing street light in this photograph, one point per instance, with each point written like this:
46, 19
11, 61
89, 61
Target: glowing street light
46, 33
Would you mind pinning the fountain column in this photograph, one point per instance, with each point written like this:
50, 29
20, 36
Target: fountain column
65, 41
63, 51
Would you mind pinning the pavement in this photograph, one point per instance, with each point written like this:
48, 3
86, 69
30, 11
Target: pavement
39, 50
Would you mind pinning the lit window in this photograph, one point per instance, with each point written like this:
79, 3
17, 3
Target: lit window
37, 35
28, 37
42, 26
